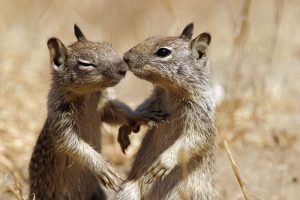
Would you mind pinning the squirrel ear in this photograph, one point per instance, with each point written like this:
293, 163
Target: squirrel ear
187, 32
57, 53
78, 33
200, 44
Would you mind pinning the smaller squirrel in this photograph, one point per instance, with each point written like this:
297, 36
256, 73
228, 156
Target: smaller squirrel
66, 162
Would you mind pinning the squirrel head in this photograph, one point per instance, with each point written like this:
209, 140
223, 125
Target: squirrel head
85, 66
172, 62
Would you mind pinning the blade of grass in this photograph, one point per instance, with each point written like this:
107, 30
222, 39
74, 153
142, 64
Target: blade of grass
236, 171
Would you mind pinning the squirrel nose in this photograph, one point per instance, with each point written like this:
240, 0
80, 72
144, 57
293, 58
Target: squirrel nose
122, 72
122, 68
126, 58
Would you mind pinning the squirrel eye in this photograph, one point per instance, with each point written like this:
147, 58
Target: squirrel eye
163, 52
85, 63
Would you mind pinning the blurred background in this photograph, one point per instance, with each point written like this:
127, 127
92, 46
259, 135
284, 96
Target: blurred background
255, 58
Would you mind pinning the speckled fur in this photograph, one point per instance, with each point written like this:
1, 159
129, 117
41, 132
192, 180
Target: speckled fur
66, 162
183, 89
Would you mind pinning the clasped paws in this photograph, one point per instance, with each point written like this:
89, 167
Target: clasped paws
142, 118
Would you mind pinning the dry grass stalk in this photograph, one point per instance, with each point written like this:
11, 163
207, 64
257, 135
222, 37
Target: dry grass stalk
239, 44
236, 171
278, 11
16, 188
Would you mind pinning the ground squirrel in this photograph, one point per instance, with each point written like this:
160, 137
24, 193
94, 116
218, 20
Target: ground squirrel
176, 159
66, 163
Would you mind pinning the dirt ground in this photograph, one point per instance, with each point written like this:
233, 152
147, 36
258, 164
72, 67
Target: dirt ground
255, 58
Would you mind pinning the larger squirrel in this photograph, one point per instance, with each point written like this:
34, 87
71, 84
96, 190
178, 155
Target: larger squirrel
176, 159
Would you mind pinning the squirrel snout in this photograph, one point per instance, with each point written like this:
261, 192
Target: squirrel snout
122, 68
129, 57
122, 72
126, 58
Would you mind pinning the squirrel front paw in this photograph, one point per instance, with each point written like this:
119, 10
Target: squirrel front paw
160, 168
134, 125
123, 137
110, 178
154, 116
146, 117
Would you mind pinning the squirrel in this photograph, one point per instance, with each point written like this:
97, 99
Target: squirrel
176, 158
66, 162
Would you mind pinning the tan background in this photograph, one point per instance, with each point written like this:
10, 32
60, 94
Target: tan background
255, 56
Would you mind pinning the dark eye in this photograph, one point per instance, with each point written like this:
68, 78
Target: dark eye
163, 52
85, 63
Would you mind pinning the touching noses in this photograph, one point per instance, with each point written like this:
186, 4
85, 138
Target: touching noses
126, 58
122, 69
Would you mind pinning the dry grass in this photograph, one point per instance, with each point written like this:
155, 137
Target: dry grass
16, 188
255, 56
236, 171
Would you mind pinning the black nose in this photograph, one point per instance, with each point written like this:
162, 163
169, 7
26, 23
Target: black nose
122, 72
126, 58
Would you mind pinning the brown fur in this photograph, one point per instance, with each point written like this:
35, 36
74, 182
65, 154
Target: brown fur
182, 88
66, 162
